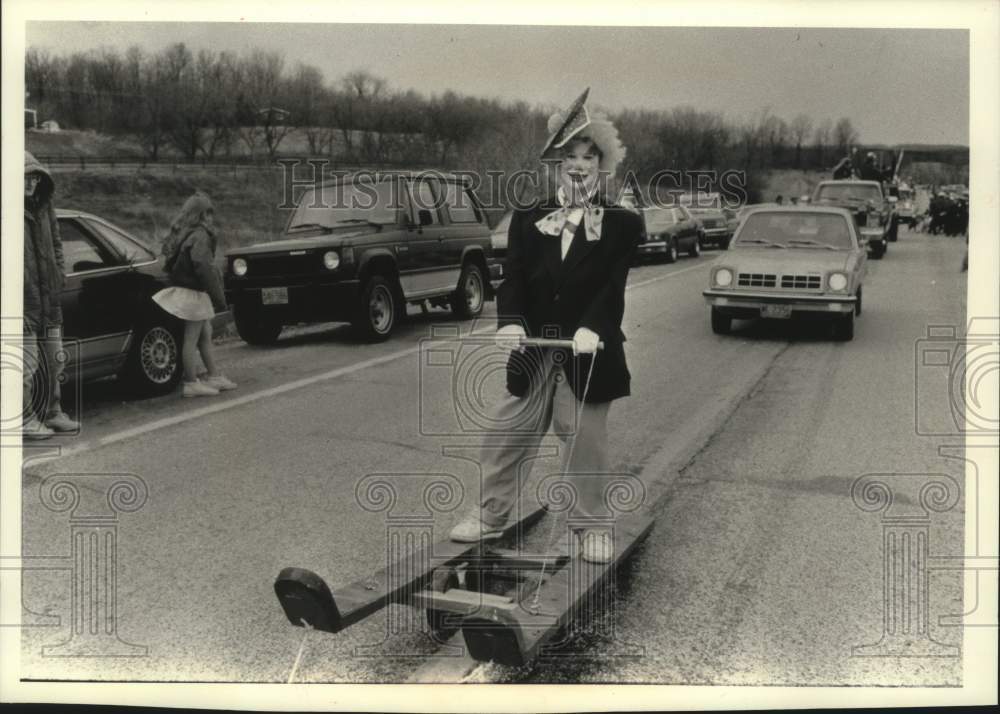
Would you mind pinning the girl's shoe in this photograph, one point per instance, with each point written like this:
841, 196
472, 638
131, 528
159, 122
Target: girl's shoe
220, 383
199, 389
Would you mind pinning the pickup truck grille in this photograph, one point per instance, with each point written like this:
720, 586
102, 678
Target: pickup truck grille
801, 282
275, 265
771, 280
756, 280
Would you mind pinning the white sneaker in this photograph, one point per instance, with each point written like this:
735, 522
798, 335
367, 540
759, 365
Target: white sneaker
220, 383
199, 389
34, 430
62, 422
472, 530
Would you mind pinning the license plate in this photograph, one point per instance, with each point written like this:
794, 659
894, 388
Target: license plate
274, 296
782, 312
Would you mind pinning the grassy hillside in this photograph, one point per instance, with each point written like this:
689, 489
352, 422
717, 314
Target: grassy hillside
144, 203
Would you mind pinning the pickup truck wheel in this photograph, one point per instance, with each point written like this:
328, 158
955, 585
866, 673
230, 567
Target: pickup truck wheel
672, 251
720, 322
843, 328
255, 327
695, 248
376, 311
153, 365
467, 301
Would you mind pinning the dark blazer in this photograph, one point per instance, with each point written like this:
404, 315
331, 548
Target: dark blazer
552, 297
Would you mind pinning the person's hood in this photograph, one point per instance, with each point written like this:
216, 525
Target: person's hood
47, 186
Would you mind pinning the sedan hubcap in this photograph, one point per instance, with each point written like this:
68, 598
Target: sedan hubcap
158, 355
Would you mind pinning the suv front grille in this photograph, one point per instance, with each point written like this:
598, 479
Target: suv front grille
280, 265
756, 280
801, 282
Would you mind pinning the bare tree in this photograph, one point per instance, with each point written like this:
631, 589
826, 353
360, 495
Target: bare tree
264, 90
844, 136
821, 140
800, 127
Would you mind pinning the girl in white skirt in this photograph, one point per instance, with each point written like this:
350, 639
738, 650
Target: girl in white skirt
195, 293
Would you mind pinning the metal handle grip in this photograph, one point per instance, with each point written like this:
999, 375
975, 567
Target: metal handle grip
549, 342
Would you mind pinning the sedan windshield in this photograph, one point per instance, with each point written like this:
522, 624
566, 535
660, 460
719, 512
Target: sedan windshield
832, 193
796, 230
342, 204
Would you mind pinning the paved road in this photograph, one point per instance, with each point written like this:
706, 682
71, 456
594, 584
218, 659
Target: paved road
760, 569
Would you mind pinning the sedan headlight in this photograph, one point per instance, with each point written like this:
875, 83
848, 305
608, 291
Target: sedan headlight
723, 277
331, 260
837, 281
239, 267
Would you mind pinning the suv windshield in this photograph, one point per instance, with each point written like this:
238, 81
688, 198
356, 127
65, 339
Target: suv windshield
795, 230
852, 192
341, 204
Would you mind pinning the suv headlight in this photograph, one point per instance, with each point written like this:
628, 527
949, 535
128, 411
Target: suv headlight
331, 260
239, 267
837, 281
723, 277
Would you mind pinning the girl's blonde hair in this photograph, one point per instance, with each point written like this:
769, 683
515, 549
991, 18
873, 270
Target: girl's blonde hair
191, 216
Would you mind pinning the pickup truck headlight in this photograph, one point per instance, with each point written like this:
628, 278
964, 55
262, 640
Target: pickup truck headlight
837, 281
239, 267
331, 260
723, 277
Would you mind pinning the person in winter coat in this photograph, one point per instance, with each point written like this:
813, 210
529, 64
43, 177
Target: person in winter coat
44, 276
195, 293
844, 169
565, 274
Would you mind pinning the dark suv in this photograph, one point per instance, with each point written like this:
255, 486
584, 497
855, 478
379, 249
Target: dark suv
359, 248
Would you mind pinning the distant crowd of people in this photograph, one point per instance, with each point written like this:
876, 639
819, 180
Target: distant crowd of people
948, 214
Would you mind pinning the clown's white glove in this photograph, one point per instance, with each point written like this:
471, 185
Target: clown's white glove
509, 338
585, 342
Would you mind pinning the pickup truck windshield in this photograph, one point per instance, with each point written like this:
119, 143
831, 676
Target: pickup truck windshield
796, 230
833, 193
343, 204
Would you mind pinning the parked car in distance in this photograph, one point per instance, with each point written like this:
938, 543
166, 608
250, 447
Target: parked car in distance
667, 231
706, 208
790, 261
111, 326
357, 249
864, 199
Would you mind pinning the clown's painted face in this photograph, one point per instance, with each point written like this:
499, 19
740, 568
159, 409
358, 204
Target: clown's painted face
578, 170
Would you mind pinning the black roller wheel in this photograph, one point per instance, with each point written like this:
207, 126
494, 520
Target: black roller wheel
441, 624
255, 326
377, 308
467, 301
153, 365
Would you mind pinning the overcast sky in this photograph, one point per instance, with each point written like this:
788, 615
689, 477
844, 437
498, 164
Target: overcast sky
896, 86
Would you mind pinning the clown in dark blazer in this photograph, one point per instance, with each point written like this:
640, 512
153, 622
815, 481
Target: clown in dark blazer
567, 263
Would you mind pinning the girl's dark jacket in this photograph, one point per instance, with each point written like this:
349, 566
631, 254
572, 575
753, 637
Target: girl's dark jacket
192, 265
44, 271
552, 297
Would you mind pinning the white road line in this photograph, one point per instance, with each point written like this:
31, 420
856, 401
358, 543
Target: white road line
217, 407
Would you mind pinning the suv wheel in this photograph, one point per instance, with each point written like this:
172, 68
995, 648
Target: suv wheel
467, 301
254, 326
720, 322
153, 365
695, 248
376, 311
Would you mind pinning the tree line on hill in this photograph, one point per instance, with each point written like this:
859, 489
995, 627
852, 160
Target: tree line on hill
210, 105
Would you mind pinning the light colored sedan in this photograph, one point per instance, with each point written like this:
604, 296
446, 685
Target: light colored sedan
790, 261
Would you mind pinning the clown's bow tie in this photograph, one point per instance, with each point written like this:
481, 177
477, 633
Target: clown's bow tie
567, 218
